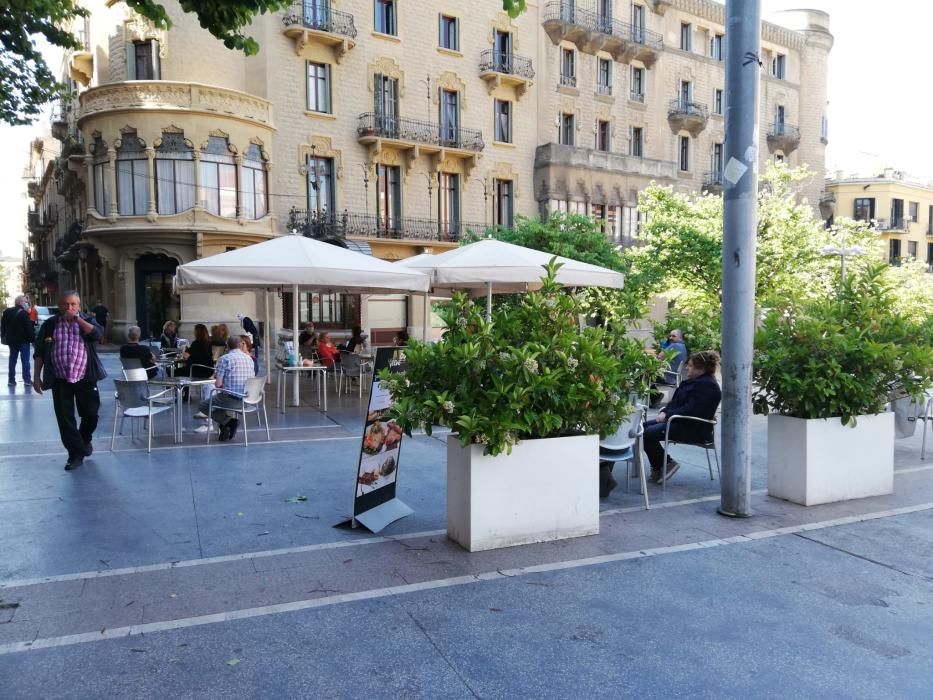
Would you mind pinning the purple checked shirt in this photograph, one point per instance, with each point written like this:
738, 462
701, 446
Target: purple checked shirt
69, 354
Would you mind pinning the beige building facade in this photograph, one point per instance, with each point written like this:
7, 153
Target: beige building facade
899, 209
394, 127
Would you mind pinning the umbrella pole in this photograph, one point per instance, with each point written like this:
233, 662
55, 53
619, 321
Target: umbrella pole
266, 348
295, 342
427, 315
488, 301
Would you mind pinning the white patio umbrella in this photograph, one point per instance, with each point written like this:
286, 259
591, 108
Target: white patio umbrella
297, 262
501, 267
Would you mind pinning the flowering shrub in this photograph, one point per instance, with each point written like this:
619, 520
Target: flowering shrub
530, 372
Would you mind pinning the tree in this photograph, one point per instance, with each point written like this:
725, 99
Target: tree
27, 83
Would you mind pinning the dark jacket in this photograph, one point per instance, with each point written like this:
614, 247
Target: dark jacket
16, 328
698, 397
95, 370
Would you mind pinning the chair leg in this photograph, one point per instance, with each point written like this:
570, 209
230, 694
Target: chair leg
639, 455
113, 434
149, 426
709, 464
716, 457
265, 416
664, 469
245, 431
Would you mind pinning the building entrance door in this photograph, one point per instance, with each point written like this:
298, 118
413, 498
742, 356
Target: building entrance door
155, 302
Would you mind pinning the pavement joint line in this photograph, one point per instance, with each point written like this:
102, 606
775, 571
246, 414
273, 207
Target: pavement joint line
405, 589
301, 549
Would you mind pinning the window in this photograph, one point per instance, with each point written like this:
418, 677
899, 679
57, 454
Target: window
779, 120
449, 28
319, 87
638, 84
568, 76
638, 23
778, 65
864, 209
897, 213
824, 129
450, 118
217, 189
914, 211
686, 93
604, 76
318, 15
174, 166
912, 249
101, 177
715, 47
142, 60
385, 17
321, 194
930, 221
717, 101
448, 204
502, 43
598, 215
503, 125
716, 164
894, 251
386, 105
132, 176
255, 204
686, 36
636, 144
567, 130
684, 153
930, 254
388, 198
502, 203
603, 135
326, 309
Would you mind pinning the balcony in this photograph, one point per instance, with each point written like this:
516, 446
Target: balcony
783, 137
500, 68
591, 32
314, 23
419, 137
346, 224
712, 182
635, 96
605, 90
36, 224
896, 225
568, 81
559, 156
684, 114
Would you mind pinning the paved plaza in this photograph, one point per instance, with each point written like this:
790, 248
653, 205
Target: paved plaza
194, 571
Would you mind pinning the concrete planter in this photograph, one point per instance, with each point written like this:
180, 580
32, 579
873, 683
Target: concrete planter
823, 461
545, 490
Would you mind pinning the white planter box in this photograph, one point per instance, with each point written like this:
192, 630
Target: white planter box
823, 461
545, 490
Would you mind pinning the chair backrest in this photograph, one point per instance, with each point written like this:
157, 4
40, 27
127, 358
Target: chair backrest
132, 394
350, 363
217, 351
135, 374
254, 388
131, 362
625, 436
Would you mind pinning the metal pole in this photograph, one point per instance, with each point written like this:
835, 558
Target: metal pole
295, 308
488, 301
740, 221
266, 334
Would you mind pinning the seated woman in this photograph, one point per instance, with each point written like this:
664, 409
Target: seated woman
356, 341
198, 355
247, 347
169, 339
327, 351
134, 351
698, 396
401, 340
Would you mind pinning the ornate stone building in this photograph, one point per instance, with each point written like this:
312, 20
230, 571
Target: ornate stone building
393, 127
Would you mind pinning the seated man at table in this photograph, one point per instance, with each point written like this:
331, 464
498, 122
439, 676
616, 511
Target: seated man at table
230, 374
134, 351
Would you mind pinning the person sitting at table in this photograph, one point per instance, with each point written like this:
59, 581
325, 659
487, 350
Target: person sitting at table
307, 339
134, 351
401, 339
357, 341
169, 339
247, 347
327, 351
198, 353
216, 340
233, 369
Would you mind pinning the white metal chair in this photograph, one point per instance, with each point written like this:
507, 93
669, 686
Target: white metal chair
352, 367
135, 374
708, 445
134, 401
249, 403
926, 417
625, 446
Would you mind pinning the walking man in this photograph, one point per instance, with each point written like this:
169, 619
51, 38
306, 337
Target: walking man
66, 349
231, 373
18, 332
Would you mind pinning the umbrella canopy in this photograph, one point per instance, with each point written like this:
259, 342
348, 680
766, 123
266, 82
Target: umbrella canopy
288, 261
506, 267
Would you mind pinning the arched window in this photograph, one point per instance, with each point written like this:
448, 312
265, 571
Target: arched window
255, 203
101, 163
174, 166
132, 176
218, 178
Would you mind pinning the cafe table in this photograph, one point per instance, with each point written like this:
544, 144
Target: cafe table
179, 384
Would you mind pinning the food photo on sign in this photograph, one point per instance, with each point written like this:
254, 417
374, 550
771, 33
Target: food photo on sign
380, 455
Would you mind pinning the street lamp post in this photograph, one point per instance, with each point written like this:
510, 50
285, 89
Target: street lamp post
485, 202
365, 169
427, 83
843, 252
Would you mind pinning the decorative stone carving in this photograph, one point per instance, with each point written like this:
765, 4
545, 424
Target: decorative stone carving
386, 66
139, 28
503, 23
320, 147
448, 80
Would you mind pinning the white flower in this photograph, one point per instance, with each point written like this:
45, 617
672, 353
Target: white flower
481, 364
531, 365
462, 322
483, 440
550, 302
614, 398
449, 406
504, 356
510, 439
572, 363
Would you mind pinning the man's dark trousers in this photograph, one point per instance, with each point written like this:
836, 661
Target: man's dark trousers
22, 351
66, 397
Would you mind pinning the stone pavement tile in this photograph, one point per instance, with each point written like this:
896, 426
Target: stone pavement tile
45, 600
90, 620
24, 631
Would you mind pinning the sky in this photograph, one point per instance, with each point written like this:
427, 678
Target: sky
877, 100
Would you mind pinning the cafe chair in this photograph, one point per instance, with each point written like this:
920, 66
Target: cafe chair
250, 402
625, 446
352, 366
708, 445
134, 401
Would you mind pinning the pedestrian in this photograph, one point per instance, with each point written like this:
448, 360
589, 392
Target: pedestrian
230, 375
101, 313
17, 333
67, 363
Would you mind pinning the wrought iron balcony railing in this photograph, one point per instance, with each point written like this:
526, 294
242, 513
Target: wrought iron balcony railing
680, 107
322, 225
603, 89
570, 12
503, 62
317, 15
636, 96
568, 80
785, 130
418, 131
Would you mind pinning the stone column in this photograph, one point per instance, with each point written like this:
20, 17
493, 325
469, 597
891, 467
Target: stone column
196, 155
238, 159
91, 205
152, 214
112, 176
